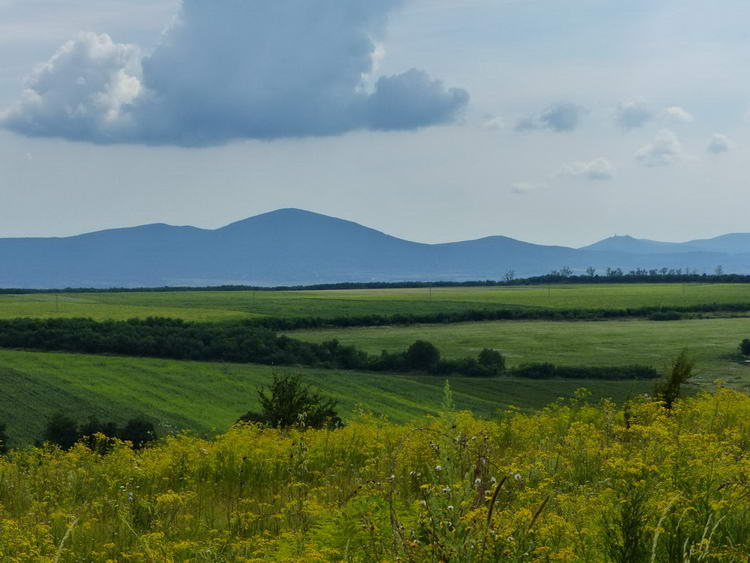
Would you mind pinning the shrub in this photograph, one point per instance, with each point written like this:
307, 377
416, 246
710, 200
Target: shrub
745, 347
289, 403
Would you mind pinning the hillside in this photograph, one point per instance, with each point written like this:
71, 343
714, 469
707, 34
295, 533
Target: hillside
291, 246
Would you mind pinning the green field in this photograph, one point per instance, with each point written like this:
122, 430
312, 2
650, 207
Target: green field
217, 305
209, 397
712, 342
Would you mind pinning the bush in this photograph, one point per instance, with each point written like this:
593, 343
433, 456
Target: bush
665, 316
291, 403
745, 347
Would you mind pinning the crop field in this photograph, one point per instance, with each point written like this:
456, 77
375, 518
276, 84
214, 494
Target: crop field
228, 305
712, 342
208, 397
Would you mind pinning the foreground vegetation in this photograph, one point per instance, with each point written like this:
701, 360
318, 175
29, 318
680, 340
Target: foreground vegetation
233, 305
570, 483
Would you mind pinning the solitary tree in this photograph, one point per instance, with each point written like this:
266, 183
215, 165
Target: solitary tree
422, 355
288, 402
492, 360
668, 391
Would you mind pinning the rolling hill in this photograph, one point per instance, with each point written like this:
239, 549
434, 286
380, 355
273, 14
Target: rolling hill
292, 246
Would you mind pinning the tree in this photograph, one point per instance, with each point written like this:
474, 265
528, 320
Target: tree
3, 440
591, 271
492, 360
745, 347
422, 355
62, 431
668, 391
510, 275
288, 402
566, 272
719, 271
138, 432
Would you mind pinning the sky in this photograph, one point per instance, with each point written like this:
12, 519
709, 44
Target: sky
432, 120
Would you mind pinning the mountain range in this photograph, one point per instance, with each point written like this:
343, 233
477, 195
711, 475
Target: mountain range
296, 247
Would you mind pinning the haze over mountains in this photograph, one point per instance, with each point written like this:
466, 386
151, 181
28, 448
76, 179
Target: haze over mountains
295, 247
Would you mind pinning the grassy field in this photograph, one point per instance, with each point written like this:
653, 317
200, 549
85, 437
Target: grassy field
208, 397
216, 306
713, 342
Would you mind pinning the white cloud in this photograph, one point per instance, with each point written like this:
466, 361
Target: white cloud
633, 114
597, 169
85, 90
664, 150
230, 69
677, 114
720, 144
561, 118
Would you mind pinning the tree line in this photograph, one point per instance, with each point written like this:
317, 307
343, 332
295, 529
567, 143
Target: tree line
239, 342
564, 275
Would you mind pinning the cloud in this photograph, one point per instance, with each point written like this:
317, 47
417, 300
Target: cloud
230, 69
720, 144
492, 123
597, 169
664, 150
84, 91
677, 114
523, 188
561, 118
633, 114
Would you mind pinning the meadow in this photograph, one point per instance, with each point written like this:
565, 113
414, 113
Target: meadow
209, 397
573, 483
232, 305
712, 342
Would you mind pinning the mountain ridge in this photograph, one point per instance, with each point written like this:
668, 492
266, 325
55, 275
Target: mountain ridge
293, 247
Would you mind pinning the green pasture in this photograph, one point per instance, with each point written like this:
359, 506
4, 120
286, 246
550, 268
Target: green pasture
228, 305
209, 397
712, 342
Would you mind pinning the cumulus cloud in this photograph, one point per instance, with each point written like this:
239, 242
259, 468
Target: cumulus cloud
664, 150
677, 114
719, 144
229, 69
597, 169
633, 114
561, 118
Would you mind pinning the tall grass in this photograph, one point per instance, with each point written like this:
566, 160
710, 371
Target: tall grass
570, 483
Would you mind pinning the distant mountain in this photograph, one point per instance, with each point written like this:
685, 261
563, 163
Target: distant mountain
737, 243
291, 246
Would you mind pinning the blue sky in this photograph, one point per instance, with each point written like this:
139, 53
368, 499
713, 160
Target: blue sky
433, 120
